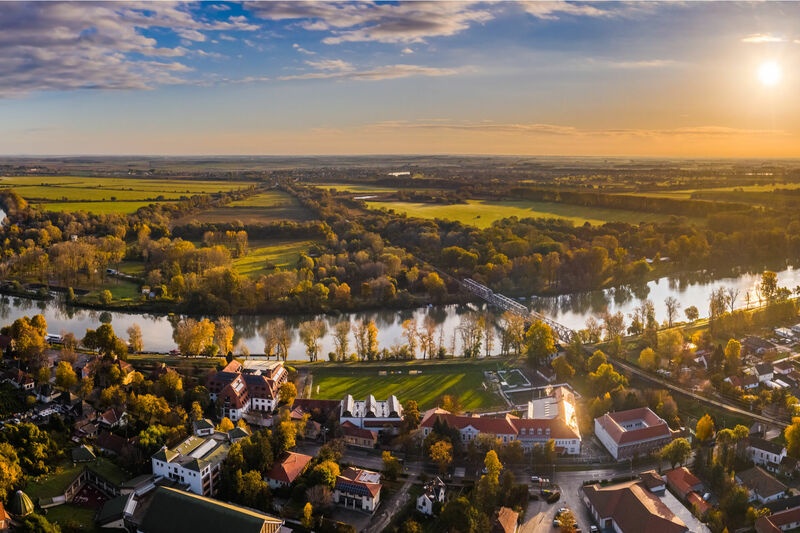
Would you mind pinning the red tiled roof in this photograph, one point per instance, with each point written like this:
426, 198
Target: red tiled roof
558, 428
698, 503
634, 508
773, 523
655, 426
289, 467
494, 426
352, 476
234, 366
682, 480
352, 430
505, 521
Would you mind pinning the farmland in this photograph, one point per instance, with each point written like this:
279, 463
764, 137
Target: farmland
261, 208
462, 380
98, 208
281, 254
482, 213
359, 189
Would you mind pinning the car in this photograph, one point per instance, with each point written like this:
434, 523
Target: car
561, 511
556, 522
535, 479
593, 529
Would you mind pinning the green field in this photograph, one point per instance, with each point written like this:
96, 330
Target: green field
687, 193
257, 209
463, 380
483, 213
66, 513
98, 208
359, 189
282, 254
124, 184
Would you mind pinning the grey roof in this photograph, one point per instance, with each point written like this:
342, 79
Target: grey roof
204, 423
113, 509
766, 445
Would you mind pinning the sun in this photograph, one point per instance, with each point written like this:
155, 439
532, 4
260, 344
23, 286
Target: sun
770, 74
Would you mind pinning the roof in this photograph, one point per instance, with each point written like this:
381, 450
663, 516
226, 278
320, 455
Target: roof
113, 443
83, 454
174, 510
505, 521
766, 445
204, 423
696, 501
113, 509
652, 426
682, 480
651, 479
758, 480
764, 369
783, 364
289, 467
773, 523
634, 508
113, 415
20, 505
494, 426
3, 513
352, 430
325, 406
358, 481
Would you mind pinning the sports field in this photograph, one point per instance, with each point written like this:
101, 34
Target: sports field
483, 213
282, 254
462, 380
258, 209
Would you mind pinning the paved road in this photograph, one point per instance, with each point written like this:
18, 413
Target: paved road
389, 508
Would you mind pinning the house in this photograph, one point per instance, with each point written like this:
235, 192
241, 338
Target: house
307, 428
789, 467
85, 429
630, 508
632, 433
763, 487
746, 382
241, 389
784, 333
764, 372
287, 469
766, 453
757, 346
653, 481
682, 482
5, 518
46, 393
203, 427
195, 461
702, 357
169, 510
358, 437
505, 521
19, 379
781, 521
698, 504
433, 492
783, 367
113, 417
114, 444
358, 489
385, 415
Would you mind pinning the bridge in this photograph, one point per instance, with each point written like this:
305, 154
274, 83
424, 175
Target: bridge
507, 304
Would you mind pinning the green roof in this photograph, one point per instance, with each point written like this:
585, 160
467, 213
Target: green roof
21, 504
238, 433
173, 510
113, 509
203, 423
82, 454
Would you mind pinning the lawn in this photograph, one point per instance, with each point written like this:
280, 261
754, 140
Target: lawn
463, 380
53, 485
482, 213
63, 514
122, 289
258, 209
282, 254
98, 208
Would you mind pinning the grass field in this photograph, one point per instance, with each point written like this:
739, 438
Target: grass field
687, 193
98, 208
483, 213
52, 485
463, 380
260, 208
359, 189
282, 254
66, 513
135, 184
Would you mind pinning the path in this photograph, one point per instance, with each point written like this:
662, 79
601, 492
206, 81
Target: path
390, 508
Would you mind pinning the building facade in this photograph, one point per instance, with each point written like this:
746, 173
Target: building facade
632, 433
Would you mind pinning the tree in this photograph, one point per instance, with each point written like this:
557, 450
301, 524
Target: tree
135, 342
391, 465
341, 339
411, 334
733, 352
411, 416
106, 297
567, 523
792, 434
225, 425
287, 392
192, 336
769, 285
36, 523
493, 467
441, 453
65, 376
564, 370
513, 332
705, 428
434, 285
692, 313
539, 341
597, 358
10, 470
606, 379
253, 490
170, 386
311, 332
672, 305
324, 473
647, 359
308, 516
676, 452
223, 334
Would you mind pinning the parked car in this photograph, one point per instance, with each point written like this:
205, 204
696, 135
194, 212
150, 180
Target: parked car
593, 529
535, 479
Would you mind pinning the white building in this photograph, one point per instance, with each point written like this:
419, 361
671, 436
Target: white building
635, 432
766, 453
371, 413
433, 492
358, 489
252, 387
196, 462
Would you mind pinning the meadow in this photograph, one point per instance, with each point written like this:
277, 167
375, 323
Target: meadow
281, 254
687, 193
361, 189
257, 209
464, 380
482, 213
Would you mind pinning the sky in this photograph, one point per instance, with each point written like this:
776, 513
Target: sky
694, 79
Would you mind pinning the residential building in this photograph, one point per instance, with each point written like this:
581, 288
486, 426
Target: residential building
373, 414
682, 482
762, 485
653, 481
290, 466
698, 505
358, 489
763, 371
241, 389
746, 382
433, 492
784, 333
787, 520
19, 379
358, 437
196, 462
766, 453
203, 427
630, 508
632, 433
113, 417
783, 367
166, 510
505, 521
757, 346
5, 519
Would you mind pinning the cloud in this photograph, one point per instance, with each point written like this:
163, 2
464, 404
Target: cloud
406, 51
404, 22
542, 129
74, 45
338, 69
761, 38
642, 63
553, 10
303, 50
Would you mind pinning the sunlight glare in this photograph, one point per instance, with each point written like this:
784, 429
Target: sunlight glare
770, 74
